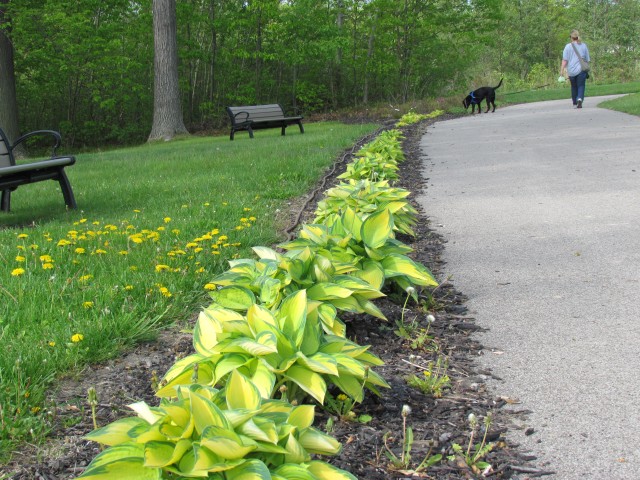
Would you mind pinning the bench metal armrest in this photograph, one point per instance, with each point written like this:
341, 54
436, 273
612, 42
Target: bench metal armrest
246, 117
55, 134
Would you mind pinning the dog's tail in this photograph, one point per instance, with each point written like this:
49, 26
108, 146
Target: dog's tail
498, 86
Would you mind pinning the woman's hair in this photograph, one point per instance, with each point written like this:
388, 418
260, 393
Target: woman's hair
575, 35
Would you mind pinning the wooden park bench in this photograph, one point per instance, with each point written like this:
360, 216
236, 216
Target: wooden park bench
257, 117
12, 175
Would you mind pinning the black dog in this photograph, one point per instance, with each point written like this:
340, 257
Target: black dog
477, 96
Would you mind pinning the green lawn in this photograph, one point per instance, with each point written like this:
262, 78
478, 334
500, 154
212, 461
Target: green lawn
153, 224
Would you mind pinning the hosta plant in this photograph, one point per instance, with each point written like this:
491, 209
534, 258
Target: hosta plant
214, 434
386, 144
282, 348
270, 279
371, 166
414, 117
365, 198
368, 245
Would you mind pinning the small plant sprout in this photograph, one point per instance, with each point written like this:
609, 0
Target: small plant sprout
405, 330
434, 378
92, 400
403, 463
342, 405
475, 453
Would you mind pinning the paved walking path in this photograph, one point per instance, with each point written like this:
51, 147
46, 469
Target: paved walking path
540, 205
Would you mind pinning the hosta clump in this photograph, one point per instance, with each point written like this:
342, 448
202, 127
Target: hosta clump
365, 197
214, 434
270, 279
286, 347
386, 144
371, 166
369, 245
413, 117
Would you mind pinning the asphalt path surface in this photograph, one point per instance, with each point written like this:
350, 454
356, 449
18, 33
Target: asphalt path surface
540, 205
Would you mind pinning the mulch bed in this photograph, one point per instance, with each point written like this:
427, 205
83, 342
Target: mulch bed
437, 423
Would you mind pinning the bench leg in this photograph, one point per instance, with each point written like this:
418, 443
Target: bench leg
284, 127
232, 133
250, 132
5, 203
301, 127
67, 193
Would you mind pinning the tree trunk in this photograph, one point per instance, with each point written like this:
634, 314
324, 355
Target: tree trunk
167, 110
8, 102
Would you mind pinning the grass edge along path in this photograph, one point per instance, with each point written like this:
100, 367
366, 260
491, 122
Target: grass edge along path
154, 223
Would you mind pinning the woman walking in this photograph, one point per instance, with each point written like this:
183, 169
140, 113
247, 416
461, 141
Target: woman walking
573, 53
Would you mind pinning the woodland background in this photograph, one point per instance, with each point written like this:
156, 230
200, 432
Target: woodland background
86, 67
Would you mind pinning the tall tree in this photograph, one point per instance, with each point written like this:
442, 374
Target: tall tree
8, 103
167, 110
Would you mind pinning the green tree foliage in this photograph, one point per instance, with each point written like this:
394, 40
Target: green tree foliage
85, 67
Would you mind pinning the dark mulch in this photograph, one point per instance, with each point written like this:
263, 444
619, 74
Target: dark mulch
437, 423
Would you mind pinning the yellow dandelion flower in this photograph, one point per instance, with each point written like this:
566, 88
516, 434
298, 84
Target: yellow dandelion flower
171, 254
20, 258
161, 229
16, 272
47, 266
167, 219
222, 238
244, 220
85, 278
83, 220
215, 231
100, 251
35, 410
46, 258
123, 252
427, 373
80, 250
165, 292
63, 243
215, 252
191, 245
130, 227
136, 211
206, 204
136, 239
162, 268
198, 249
180, 252
72, 233
342, 397
210, 286
246, 209
175, 231
239, 228
23, 236
200, 270
252, 219
206, 236
52, 344
88, 304
77, 337
21, 248
133, 268
111, 228
96, 223
33, 246
128, 287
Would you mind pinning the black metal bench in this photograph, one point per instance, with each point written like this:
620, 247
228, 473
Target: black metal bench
257, 117
12, 175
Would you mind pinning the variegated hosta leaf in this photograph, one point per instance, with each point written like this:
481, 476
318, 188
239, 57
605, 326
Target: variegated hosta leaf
326, 471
